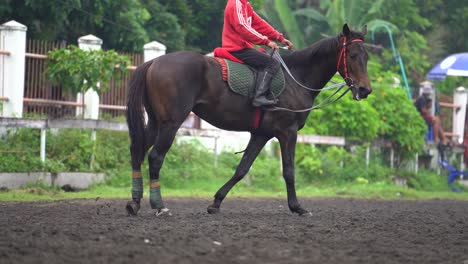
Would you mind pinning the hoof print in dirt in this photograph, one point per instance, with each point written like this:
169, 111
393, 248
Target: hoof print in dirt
132, 208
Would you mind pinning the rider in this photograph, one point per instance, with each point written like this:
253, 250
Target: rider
242, 28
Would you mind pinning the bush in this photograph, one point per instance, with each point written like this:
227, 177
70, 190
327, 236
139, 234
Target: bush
427, 181
68, 150
336, 166
20, 151
189, 164
71, 147
387, 114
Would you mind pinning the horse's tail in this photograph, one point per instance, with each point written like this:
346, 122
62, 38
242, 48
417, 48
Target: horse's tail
135, 113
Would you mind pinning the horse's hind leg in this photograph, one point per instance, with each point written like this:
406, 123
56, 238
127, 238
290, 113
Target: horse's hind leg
254, 147
137, 181
163, 142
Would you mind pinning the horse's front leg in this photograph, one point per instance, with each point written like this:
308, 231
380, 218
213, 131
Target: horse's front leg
254, 147
288, 149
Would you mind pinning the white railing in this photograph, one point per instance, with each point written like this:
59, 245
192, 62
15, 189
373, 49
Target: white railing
215, 134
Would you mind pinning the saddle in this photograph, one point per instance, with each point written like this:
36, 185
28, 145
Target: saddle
241, 78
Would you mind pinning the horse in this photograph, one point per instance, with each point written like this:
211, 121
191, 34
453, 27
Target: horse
169, 87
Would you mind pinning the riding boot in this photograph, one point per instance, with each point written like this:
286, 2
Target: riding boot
262, 88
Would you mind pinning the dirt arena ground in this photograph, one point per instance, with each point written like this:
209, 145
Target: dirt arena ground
246, 231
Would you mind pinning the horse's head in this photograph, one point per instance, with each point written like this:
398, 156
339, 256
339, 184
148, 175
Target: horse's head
352, 62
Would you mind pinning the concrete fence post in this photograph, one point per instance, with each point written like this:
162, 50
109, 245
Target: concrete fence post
12, 66
153, 50
460, 97
91, 97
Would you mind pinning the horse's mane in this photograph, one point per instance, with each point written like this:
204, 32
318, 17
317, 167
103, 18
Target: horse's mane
319, 49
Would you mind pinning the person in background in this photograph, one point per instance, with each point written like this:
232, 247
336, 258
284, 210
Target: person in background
243, 28
423, 104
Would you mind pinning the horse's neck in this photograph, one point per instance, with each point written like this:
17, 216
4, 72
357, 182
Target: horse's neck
313, 70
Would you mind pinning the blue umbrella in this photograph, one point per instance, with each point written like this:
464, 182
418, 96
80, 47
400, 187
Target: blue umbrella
453, 65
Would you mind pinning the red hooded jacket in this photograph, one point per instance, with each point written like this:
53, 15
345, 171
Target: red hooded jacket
243, 27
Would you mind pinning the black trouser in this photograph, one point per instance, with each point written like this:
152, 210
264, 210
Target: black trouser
258, 60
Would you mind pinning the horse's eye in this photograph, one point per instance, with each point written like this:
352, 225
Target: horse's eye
353, 56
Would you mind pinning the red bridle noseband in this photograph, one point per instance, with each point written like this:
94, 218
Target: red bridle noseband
347, 79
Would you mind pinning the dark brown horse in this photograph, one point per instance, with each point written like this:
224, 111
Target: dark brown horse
172, 85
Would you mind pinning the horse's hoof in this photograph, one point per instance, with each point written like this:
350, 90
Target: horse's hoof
212, 210
132, 208
162, 211
306, 214
302, 212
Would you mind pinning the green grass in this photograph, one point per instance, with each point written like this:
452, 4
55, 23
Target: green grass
189, 170
202, 190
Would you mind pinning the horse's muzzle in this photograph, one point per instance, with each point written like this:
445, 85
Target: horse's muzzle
362, 93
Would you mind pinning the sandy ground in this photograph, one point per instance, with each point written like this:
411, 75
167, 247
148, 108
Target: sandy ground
246, 231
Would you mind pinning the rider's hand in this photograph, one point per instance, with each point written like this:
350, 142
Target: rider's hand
287, 43
273, 45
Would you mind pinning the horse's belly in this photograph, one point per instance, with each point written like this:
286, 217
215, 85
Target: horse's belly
226, 121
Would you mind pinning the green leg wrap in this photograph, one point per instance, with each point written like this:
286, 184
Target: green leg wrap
155, 195
137, 188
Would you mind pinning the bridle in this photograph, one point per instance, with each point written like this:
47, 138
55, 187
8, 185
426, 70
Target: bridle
349, 81
327, 101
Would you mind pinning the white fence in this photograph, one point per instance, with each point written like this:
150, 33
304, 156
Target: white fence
12, 70
217, 139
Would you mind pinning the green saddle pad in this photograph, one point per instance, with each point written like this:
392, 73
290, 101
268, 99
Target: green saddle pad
241, 80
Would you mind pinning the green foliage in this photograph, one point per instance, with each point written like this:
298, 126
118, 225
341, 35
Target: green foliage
72, 148
190, 166
165, 27
409, 42
336, 166
79, 70
427, 181
265, 173
354, 120
111, 150
387, 114
124, 25
188, 162
450, 83
289, 23
20, 151
67, 150
399, 121
41, 188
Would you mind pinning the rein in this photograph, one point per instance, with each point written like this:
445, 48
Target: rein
327, 101
276, 55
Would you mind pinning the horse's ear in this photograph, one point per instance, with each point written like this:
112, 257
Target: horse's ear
346, 30
364, 30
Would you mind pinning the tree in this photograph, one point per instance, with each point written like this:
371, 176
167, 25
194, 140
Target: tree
78, 70
330, 16
281, 16
164, 26
448, 19
201, 22
120, 24
326, 17
45, 19
411, 44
